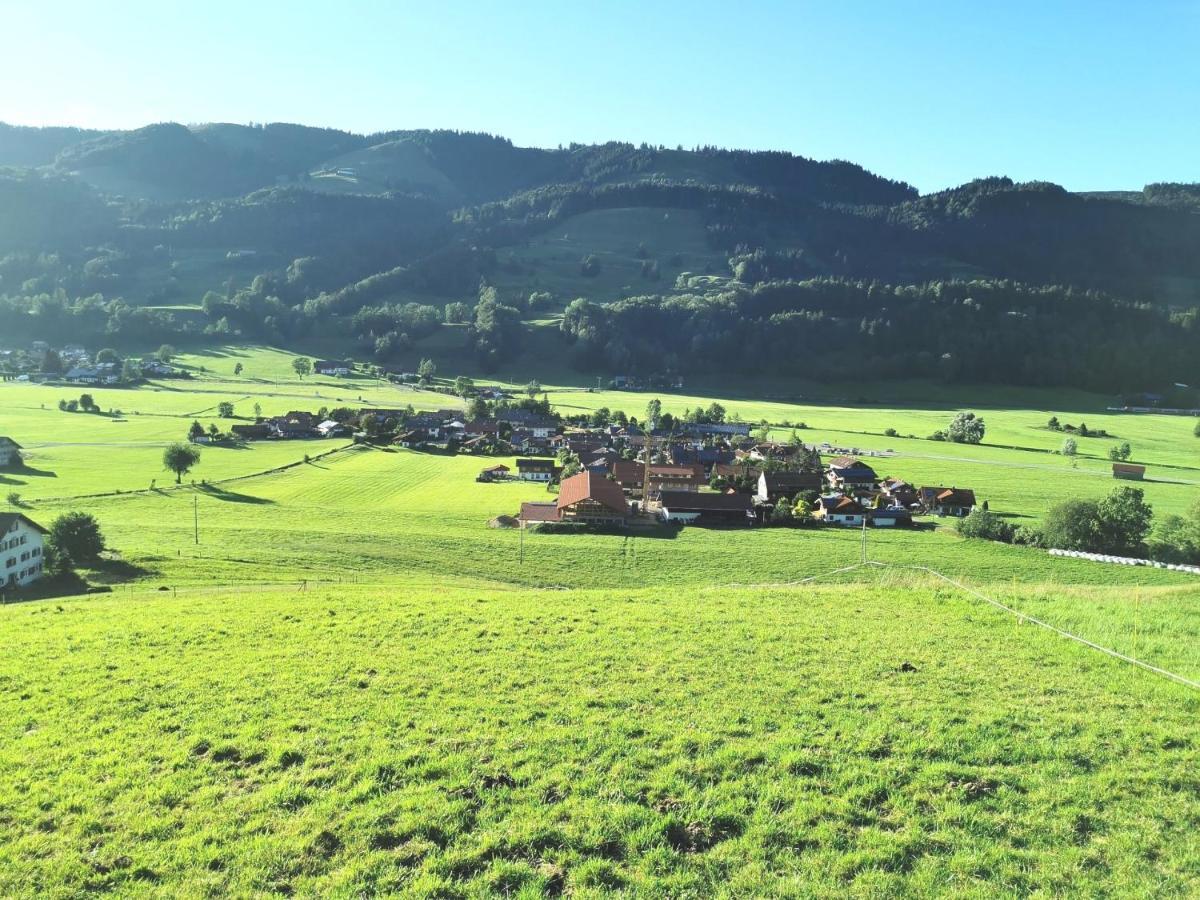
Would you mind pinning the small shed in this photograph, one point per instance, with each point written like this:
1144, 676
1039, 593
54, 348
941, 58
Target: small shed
1128, 471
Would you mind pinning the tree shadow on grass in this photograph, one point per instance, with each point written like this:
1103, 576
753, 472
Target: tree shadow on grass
115, 570
219, 493
4, 479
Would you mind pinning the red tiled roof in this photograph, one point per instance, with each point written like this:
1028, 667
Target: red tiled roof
590, 486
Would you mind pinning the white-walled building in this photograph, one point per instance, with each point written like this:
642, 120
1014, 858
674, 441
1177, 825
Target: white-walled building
21, 550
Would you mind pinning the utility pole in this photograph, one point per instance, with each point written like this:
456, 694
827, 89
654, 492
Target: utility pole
196, 518
521, 541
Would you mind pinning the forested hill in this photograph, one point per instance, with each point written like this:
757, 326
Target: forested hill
277, 231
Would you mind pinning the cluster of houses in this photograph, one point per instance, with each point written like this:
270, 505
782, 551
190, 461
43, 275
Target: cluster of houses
509, 431
78, 367
715, 475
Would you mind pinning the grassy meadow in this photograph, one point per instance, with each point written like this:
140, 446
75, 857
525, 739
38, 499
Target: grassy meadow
352, 685
898, 740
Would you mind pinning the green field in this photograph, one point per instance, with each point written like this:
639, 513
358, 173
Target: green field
444, 742
350, 684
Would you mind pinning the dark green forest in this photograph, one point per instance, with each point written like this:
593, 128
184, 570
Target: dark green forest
280, 232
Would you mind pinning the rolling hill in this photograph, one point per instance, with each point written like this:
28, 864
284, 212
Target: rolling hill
297, 229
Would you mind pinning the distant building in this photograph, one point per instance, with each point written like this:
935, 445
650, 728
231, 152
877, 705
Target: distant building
538, 470
774, 485
21, 549
837, 509
890, 517
847, 474
333, 367
1128, 471
591, 499
10, 453
947, 501
694, 507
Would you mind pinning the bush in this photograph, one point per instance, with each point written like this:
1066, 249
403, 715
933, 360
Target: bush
966, 428
891, 432
986, 526
938, 436
13, 498
76, 538
1069, 448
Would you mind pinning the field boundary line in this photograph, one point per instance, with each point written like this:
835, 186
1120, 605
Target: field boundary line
1061, 632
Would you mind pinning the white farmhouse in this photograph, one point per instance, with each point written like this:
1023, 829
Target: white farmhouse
21, 548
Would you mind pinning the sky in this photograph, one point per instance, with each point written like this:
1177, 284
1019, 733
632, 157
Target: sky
1092, 95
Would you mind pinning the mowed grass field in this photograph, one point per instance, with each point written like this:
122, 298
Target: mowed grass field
352, 685
888, 741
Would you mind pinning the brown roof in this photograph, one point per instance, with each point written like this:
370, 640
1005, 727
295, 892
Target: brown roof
538, 512
1128, 468
500, 467
590, 486
840, 505
955, 497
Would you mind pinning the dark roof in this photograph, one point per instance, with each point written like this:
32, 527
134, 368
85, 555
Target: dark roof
590, 486
793, 480
848, 465
8, 520
536, 464
9, 442
697, 501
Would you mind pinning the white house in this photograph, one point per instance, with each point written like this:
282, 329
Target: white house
837, 509
21, 544
10, 453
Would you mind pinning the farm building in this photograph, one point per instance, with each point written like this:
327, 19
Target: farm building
694, 507
630, 475
591, 499
10, 453
534, 513
774, 485
836, 509
498, 472
1128, 471
332, 367
890, 517
21, 547
951, 501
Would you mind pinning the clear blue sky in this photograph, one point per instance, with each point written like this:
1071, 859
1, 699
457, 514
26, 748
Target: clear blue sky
1093, 95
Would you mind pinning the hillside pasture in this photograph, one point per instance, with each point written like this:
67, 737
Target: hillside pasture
685, 741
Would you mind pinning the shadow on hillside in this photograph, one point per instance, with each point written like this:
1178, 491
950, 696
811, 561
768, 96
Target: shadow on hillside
4, 479
36, 473
111, 571
228, 496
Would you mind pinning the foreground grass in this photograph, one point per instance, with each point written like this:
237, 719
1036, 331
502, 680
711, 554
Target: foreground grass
882, 741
